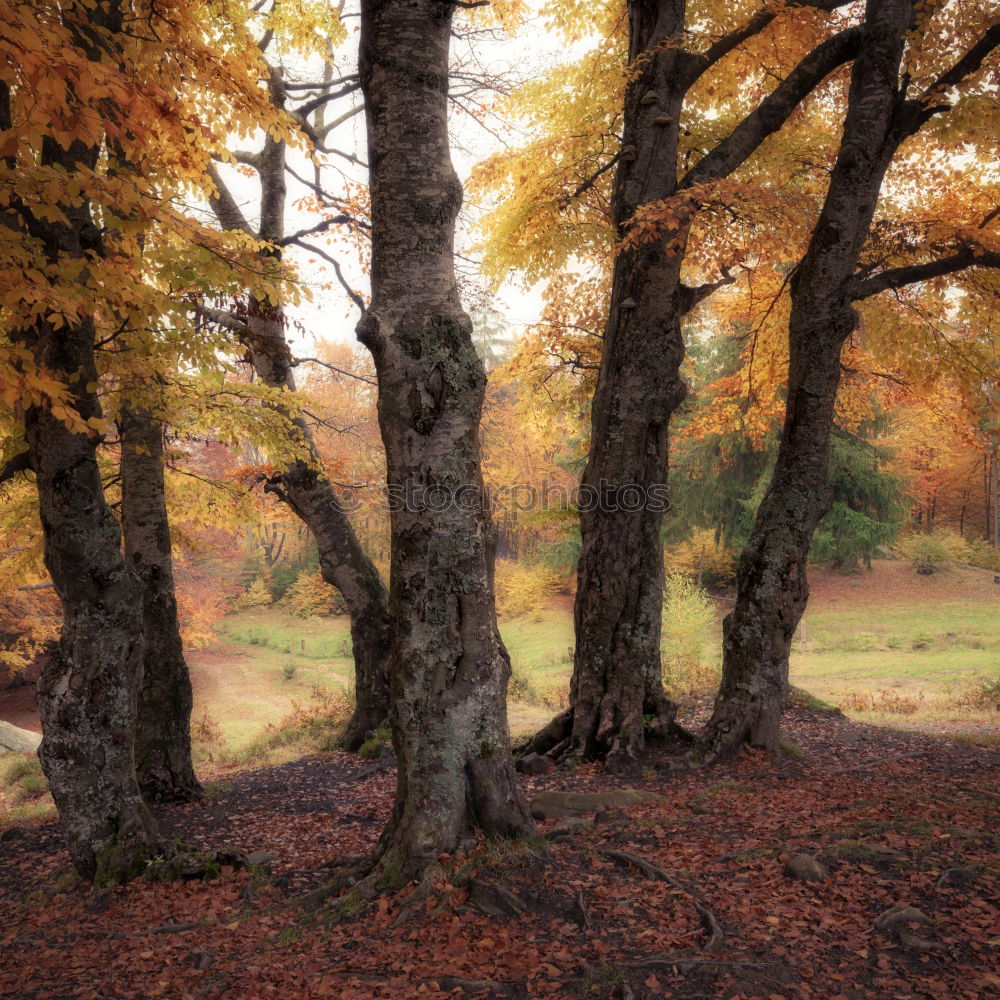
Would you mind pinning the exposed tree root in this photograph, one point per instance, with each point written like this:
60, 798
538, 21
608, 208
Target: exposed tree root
651, 871
558, 741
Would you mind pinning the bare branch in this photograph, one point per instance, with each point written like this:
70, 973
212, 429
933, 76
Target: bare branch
355, 298
775, 109
896, 277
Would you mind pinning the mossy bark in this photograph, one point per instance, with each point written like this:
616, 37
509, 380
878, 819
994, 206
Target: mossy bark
449, 668
88, 690
771, 578
163, 723
617, 698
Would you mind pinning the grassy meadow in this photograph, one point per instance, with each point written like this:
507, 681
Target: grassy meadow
889, 647
886, 646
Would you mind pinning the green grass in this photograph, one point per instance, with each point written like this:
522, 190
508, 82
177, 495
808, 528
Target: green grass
921, 650
925, 639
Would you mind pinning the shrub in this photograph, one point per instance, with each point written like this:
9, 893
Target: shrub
311, 596
983, 555
314, 722
22, 766
255, 596
885, 702
981, 695
688, 618
33, 786
521, 687
288, 670
378, 744
702, 551
932, 552
523, 590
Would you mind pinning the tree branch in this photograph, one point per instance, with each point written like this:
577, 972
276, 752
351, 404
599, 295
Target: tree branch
586, 185
775, 109
915, 114
317, 102
229, 214
224, 318
19, 463
696, 65
355, 298
322, 227
896, 277
692, 295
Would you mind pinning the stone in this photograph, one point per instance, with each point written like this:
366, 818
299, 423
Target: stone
536, 764
805, 868
556, 805
16, 740
607, 816
259, 859
957, 876
574, 823
493, 900
916, 943
892, 920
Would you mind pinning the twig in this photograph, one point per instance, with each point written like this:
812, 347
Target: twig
582, 907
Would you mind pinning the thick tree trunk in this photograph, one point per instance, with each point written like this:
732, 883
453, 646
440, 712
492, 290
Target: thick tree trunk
772, 587
88, 689
449, 666
163, 724
617, 699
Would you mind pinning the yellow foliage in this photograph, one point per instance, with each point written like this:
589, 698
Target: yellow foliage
688, 618
311, 596
257, 595
701, 553
523, 590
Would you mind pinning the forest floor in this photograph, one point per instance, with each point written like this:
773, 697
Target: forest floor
894, 819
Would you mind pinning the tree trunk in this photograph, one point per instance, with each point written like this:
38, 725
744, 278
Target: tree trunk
617, 699
772, 589
163, 725
88, 689
449, 666
995, 490
304, 486
342, 561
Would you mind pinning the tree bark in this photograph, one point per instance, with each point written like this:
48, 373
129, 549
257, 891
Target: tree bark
771, 578
163, 723
617, 699
343, 563
303, 485
88, 689
449, 666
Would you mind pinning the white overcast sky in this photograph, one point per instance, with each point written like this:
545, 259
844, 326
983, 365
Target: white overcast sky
331, 316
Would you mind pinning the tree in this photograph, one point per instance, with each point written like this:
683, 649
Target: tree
163, 721
88, 690
449, 667
884, 109
617, 694
87, 155
303, 484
